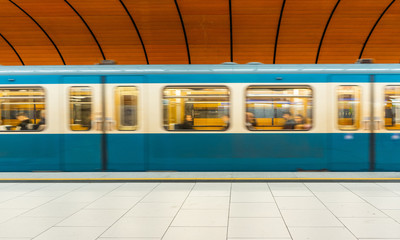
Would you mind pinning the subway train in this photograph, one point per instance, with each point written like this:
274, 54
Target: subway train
228, 117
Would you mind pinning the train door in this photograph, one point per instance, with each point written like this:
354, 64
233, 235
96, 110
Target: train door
82, 138
386, 123
123, 124
351, 135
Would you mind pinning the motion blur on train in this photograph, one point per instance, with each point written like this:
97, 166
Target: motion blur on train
250, 117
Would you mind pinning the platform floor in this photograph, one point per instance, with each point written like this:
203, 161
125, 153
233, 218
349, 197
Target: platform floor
199, 210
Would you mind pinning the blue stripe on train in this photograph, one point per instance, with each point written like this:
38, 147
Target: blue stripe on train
187, 78
198, 152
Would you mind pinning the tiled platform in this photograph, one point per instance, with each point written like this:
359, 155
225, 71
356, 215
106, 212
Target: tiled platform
199, 210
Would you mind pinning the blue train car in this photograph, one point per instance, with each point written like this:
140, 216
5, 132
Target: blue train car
200, 118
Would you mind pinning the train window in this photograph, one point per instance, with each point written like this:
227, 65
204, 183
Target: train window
126, 108
201, 108
80, 107
348, 107
22, 109
392, 107
270, 108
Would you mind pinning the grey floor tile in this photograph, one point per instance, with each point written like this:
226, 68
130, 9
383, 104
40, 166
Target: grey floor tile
154, 210
373, 227
252, 210
68, 233
195, 233
26, 226
310, 218
354, 210
319, 233
138, 227
92, 218
201, 218
257, 228
384, 202
206, 203
299, 203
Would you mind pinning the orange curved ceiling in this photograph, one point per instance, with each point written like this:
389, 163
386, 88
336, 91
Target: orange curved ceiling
76, 32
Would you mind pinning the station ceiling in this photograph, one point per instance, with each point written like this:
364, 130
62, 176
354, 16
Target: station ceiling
76, 32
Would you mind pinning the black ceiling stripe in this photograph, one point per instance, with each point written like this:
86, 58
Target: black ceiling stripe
373, 28
277, 31
9, 44
137, 30
184, 31
326, 27
230, 27
47, 35
87, 26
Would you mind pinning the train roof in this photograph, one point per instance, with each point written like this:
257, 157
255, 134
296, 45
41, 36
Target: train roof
203, 69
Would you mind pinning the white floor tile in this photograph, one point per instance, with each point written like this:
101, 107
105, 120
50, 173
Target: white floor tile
195, 233
369, 189
251, 196
373, 227
211, 190
68, 233
54, 209
338, 197
166, 196
257, 228
325, 233
114, 203
25, 202
290, 190
354, 210
26, 226
326, 187
395, 214
6, 214
154, 210
138, 227
206, 203
252, 210
384, 202
299, 203
310, 218
92, 218
201, 218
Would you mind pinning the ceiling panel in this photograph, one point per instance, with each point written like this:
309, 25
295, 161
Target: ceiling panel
211, 32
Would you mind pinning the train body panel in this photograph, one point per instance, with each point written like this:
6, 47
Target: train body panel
129, 118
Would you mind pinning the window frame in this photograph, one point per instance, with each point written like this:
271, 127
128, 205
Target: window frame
136, 127
196, 86
384, 105
360, 108
280, 86
44, 90
91, 108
